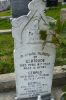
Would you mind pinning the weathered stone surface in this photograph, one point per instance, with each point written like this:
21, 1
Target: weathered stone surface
5, 31
56, 93
7, 81
60, 0
7, 95
34, 65
59, 76
4, 4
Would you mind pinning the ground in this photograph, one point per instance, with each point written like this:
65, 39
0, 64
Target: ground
60, 51
5, 24
6, 42
6, 49
6, 53
5, 13
12, 94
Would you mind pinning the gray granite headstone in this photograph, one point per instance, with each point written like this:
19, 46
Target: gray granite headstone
51, 3
19, 7
65, 1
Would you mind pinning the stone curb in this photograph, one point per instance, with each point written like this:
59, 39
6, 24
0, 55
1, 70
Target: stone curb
5, 31
5, 17
59, 78
7, 81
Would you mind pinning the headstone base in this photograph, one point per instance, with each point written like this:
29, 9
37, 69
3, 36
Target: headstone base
47, 97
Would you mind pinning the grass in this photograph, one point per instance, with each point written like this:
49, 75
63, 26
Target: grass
64, 90
5, 24
6, 44
55, 12
61, 51
6, 53
5, 13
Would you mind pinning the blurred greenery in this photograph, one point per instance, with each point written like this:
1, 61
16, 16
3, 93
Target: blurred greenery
64, 90
5, 24
55, 12
60, 29
6, 53
6, 42
5, 13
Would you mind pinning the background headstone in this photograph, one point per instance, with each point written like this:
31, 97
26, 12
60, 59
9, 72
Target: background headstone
60, 1
4, 5
19, 7
64, 0
50, 3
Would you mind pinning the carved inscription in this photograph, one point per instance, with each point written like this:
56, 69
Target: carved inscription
34, 69
32, 60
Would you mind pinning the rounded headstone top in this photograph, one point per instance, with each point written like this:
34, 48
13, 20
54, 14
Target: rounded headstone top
37, 5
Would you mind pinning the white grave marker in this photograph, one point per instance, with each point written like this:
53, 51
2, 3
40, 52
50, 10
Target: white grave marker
33, 63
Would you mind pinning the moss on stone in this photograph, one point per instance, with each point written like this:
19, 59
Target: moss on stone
43, 35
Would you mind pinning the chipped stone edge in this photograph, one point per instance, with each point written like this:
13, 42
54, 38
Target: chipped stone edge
7, 81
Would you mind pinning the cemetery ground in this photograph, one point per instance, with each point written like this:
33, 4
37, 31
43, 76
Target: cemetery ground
55, 12
61, 52
6, 43
5, 24
6, 53
64, 89
5, 13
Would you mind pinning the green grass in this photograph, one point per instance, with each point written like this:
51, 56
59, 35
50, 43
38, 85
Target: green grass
5, 24
5, 13
6, 44
55, 12
60, 51
64, 90
6, 53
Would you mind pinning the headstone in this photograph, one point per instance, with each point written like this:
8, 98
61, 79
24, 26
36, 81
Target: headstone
60, 1
51, 3
33, 62
19, 7
64, 1
4, 5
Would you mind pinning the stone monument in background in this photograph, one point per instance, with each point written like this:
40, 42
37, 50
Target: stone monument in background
19, 7
33, 57
51, 3
4, 5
